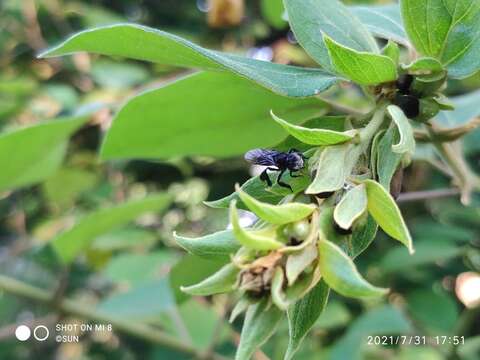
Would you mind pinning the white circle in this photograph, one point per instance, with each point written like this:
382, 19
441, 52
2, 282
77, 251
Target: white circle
22, 332
35, 332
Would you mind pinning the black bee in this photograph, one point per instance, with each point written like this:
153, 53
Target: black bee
275, 160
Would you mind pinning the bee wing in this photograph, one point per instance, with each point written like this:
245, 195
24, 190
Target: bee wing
263, 157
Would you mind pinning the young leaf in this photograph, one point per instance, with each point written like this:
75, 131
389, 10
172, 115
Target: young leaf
303, 315
298, 261
392, 51
143, 43
219, 245
260, 323
362, 237
340, 273
331, 170
447, 31
278, 296
387, 161
351, 207
319, 137
361, 67
276, 214
78, 238
31, 154
387, 214
253, 239
424, 66
407, 140
231, 129
383, 21
222, 281
310, 18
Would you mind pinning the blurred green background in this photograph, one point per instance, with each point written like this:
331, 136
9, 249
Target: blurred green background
131, 272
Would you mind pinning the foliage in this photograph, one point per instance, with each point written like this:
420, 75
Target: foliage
399, 62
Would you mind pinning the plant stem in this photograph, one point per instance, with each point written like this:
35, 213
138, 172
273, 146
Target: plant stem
369, 131
427, 195
466, 181
71, 307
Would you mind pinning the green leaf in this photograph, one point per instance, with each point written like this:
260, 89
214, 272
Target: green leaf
143, 43
30, 155
169, 128
334, 123
387, 214
424, 66
263, 239
298, 261
182, 275
351, 207
340, 273
361, 67
331, 170
272, 11
277, 293
407, 140
387, 161
141, 303
303, 315
276, 214
362, 237
78, 238
392, 50
260, 323
222, 281
219, 245
310, 18
383, 21
319, 137
447, 30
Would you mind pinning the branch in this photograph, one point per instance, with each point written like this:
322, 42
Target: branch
71, 307
448, 135
427, 195
451, 154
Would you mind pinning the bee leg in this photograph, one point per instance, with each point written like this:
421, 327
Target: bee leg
264, 177
281, 183
293, 175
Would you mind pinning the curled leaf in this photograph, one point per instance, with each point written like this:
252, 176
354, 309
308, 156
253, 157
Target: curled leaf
340, 273
263, 239
298, 261
386, 213
331, 170
276, 214
218, 245
351, 207
319, 137
407, 139
222, 281
278, 296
